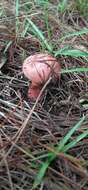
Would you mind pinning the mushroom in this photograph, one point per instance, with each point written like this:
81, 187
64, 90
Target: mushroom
38, 68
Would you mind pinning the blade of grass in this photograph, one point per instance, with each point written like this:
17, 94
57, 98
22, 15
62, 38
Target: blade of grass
26, 27
82, 6
73, 143
78, 33
72, 53
69, 134
41, 2
7, 46
17, 14
40, 35
52, 156
78, 70
46, 19
62, 6
41, 174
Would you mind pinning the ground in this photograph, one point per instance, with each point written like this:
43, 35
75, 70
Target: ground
44, 143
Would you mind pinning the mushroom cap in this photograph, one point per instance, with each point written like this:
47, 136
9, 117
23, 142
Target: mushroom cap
39, 67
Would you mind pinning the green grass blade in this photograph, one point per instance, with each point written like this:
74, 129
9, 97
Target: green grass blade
25, 30
78, 33
41, 174
42, 2
40, 35
72, 53
17, 8
17, 14
73, 143
7, 46
46, 19
52, 156
65, 48
62, 6
78, 70
69, 134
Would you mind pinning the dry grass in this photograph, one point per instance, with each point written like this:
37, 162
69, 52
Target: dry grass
28, 130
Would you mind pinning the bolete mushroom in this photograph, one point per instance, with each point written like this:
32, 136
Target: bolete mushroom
38, 68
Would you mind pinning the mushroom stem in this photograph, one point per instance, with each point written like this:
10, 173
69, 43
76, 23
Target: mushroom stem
34, 91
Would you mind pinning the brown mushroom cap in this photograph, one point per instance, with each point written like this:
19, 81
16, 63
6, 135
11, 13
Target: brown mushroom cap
39, 67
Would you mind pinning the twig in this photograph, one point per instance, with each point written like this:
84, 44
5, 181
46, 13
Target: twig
20, 131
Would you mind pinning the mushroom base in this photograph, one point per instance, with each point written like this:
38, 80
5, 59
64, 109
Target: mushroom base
34, 91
